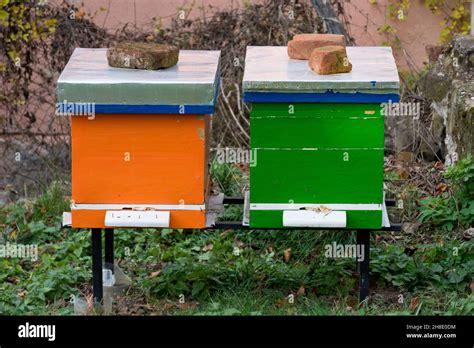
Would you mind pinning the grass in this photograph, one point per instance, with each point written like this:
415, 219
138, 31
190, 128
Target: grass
257, 272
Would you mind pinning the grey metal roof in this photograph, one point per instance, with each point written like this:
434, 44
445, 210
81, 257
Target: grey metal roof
87, 77
268, 69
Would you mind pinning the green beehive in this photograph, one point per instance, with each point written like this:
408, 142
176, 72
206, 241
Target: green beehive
318, 140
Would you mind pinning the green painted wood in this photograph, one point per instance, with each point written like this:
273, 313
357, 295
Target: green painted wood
304, 110
317, 153
321, 132
355, 219
317, 176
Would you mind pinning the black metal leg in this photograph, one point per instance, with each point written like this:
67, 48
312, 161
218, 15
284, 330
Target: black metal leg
109, 249
97, 265
363, 239
357, 259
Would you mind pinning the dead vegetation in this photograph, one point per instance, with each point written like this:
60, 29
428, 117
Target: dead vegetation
29, 126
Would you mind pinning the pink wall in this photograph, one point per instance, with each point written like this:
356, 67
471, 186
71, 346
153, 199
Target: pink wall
421, 27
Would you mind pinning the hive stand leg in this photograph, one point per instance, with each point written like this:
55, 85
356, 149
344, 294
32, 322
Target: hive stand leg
97, 265
363, 238
109, 249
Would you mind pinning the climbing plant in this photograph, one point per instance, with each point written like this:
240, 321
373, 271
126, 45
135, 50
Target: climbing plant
456, 16
24, 26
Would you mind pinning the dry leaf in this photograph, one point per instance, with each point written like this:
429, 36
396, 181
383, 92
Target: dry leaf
90, 302
168, 306
441, 187
405, 157
301, 291
187, 305
439, 165
282, 302
22, 293
155, 274
320, 209
403, 173
352, 302
208, 247
415, 301
287, 254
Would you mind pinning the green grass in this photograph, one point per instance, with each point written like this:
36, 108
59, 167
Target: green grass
231, 272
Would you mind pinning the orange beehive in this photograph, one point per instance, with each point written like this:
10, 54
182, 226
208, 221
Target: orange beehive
133, 158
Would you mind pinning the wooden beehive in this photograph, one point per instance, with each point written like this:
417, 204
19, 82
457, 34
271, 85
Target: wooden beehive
146, 147
319, 139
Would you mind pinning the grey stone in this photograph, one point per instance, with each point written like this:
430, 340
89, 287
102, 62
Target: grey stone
142, 55
447, 131
450, 87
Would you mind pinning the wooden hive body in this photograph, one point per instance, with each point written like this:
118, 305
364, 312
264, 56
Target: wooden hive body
318, 141
141, 155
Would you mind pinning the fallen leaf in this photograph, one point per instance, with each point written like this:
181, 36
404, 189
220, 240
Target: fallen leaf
208, 247
282, 302
187, 305
415, 301
168, 306
155, 274
403, 173
301, 291
90, 301
22, 293
352, 302
405, 157
439, 165
287, 254
441, 187
320, 209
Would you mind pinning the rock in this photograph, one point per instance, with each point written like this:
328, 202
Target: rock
433, 52
303, 44
141, 55
445, 92
330, 60
410, 227
449, 85
468, 234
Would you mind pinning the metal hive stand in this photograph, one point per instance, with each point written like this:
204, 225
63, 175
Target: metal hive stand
363, 238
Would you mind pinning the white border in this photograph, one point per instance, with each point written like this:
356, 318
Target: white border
138, 206
298, 206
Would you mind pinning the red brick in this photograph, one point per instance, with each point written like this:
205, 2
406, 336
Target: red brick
303, 44
329, 60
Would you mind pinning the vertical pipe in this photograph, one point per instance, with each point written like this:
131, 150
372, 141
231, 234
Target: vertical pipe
109, 249
97, 265
472, 17
363, 239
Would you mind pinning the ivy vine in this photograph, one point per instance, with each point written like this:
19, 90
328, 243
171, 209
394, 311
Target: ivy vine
456, 18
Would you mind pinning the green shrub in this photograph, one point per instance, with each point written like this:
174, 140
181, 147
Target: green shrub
454, 207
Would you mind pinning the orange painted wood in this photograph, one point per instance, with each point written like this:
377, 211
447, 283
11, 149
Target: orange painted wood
139, 159
178, 219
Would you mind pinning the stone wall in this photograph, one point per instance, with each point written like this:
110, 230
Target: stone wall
449, 85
